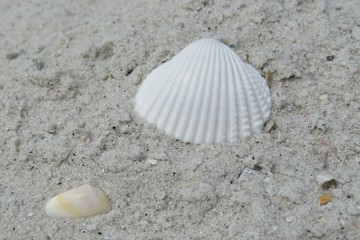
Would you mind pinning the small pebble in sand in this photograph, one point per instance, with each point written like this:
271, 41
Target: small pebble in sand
151, 161
323, 97
82, 201
290, 219
324, 199
326, 180
330, 57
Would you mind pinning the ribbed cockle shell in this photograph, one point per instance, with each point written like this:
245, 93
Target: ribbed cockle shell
205, 94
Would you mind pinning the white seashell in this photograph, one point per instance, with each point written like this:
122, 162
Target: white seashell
82, 201
205, 94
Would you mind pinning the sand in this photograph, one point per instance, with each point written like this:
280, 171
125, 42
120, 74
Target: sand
69, 73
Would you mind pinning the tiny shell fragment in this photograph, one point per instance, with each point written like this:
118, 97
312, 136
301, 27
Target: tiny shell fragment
323, 97
151, 161
324, 199
82, 201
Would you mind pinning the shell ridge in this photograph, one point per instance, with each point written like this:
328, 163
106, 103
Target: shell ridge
192, 87
223, 123
207, 102
170, 97
154, 106
172, 92
163, 99
248, 94
178, 105
267, 100
253, 74
197, 106
207, 99
234, 118
233, 108
157, 104
214, 110
263, 96
208, 130
151, 87
217, 115
242, 101
146, 86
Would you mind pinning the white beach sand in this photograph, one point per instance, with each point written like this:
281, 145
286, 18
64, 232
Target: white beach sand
69, 72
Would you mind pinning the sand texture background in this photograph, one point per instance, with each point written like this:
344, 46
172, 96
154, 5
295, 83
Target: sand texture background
69, 72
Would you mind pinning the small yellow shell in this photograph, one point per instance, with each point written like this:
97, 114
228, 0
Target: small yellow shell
82, 201
324, 199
